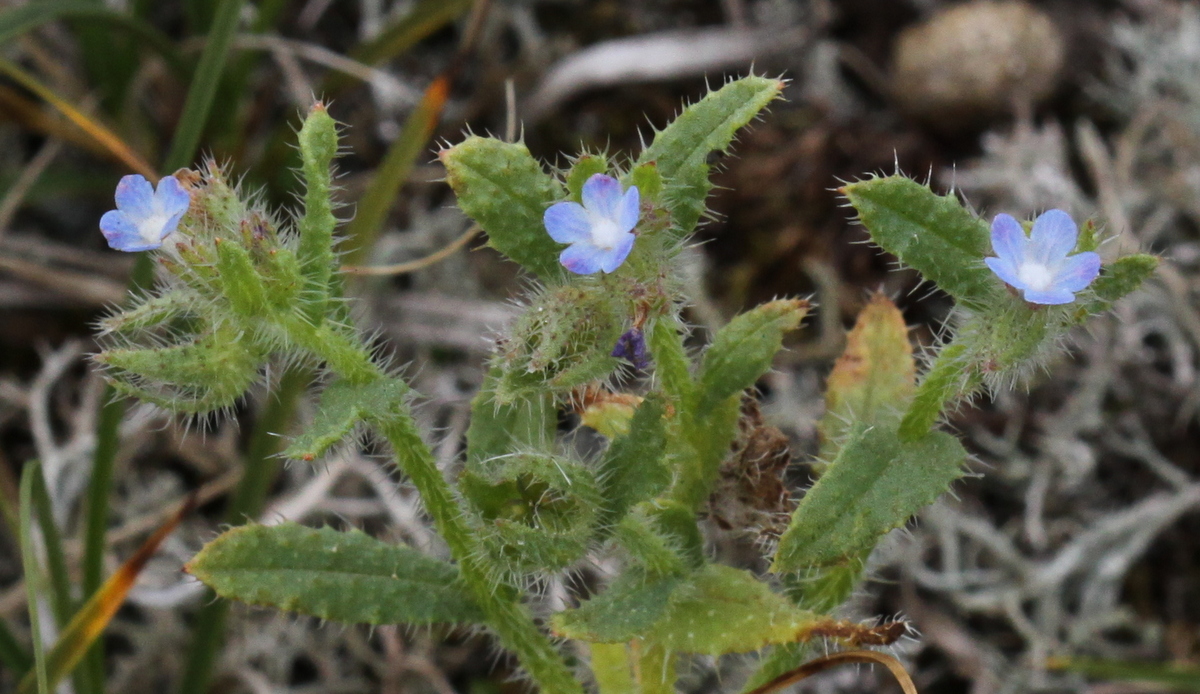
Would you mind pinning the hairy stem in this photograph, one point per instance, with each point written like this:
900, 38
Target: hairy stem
505, 615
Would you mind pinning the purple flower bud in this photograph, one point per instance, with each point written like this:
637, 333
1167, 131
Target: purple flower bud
1038, 265
144, 216
599, 230
631, 346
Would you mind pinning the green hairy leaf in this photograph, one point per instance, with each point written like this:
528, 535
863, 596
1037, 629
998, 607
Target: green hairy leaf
933, 234
874, 485
633, 468
715, 611
341, 407
585, 167
497, 428
537, 512
1117, 279
341, 576
318, 147
875, 377
681, 149
742, 351
504, 189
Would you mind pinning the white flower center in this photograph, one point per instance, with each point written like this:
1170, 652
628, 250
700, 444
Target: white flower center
1036, 276
151, 228
605, 233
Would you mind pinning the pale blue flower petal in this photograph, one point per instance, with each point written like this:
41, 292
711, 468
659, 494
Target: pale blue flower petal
1078, 271
1005, 270
599, 231
144, 217
567, 222
1008, 239
1050, 297
135, 196
602, 196
1053, 237
173, 200
582, 258
118, 228
611, 260
630, 209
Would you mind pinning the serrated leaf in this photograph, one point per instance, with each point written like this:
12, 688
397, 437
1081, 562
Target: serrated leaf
875, 485
742, 351
874, 379
341, 407
933, 234
341, 576
716, 610
681, 149
504, 189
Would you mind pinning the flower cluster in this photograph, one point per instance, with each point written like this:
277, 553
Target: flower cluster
1038, 265
600, 231
144, 216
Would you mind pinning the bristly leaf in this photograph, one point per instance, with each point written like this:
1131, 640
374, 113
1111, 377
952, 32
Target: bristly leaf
681, 149
874, 379
715, 611
1117, 279
585, 167
318, 146
742, 351
874, 485
633, 468
504, 189
933, 234
497, 429
341, 576
342, 406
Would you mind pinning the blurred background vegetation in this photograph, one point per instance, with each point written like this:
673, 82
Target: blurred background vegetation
1071, 564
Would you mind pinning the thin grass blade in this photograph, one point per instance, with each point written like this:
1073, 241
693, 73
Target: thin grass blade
38, 677
102, 135
96, 613
393, 171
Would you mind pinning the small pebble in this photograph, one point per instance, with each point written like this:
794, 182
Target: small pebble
976, 61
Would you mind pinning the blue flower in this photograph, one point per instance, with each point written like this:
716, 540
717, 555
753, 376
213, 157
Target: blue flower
1038, 264
599, 230
144, 216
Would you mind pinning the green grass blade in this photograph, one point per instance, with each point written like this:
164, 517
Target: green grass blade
56, 563
33, 574
90, 621
1177, 677
424, 19
393, 171
87, 680
199, 101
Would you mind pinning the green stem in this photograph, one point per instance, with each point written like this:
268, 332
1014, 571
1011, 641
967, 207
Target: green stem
511, 621
951, 377
670, 358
